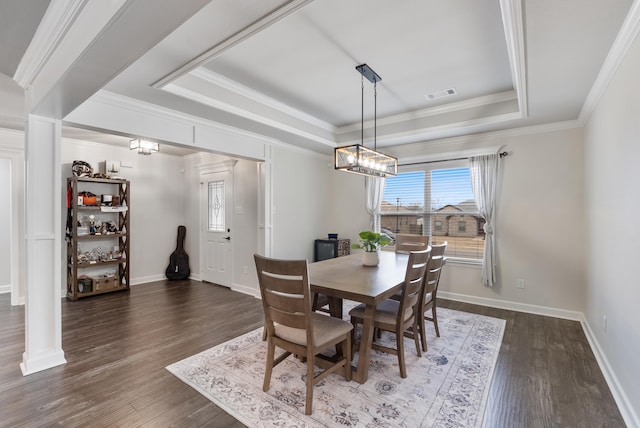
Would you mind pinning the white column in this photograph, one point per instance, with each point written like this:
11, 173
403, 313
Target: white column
43, 319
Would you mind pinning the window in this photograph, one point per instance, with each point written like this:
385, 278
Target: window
216, 206
435, 200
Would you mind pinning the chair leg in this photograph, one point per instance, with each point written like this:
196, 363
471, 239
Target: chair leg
354, 341
435, 319
347, 357
308, 407
271, 349
423, 330
264, 333
417, 332
400, 347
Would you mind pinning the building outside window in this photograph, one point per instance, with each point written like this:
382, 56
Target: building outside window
462, 226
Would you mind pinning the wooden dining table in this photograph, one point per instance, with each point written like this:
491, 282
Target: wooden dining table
346, 278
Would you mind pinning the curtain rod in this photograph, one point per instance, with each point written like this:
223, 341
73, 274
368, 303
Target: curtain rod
501, 154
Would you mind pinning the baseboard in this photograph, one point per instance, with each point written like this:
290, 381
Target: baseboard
145, 279
514, 306
41, 362
246, 290
629, 415
5, 289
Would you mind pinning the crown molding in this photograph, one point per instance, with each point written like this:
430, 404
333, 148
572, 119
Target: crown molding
217, 166
514, 36
432, 111
625, 38
211, 102
56, 22
440, 131
258, 97
261, 24
445, 143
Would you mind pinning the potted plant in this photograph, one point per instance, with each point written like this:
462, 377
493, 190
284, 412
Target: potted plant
371, 242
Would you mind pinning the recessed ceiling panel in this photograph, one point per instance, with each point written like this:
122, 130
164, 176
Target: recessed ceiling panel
307, 60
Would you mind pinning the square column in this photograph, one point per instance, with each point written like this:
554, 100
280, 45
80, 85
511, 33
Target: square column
43, 318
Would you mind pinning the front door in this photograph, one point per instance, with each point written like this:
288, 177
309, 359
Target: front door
216, 239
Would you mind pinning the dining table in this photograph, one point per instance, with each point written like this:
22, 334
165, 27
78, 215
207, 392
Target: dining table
347, 278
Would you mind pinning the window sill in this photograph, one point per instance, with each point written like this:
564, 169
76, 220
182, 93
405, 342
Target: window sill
464, 262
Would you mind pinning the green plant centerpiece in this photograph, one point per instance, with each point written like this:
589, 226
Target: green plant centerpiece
371, 242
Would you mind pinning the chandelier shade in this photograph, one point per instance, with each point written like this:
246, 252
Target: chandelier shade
357, 158
144, 147
360, 160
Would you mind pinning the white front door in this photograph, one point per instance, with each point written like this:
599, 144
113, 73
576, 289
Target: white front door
216, 240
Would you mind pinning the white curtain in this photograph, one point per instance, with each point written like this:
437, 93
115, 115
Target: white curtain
374, 191
484, 177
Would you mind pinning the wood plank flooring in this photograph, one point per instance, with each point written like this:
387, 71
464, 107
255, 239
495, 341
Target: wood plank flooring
117, 346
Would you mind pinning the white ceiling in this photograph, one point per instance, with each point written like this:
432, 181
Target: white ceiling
286, 69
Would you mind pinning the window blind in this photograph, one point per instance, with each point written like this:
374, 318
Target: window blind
436, 201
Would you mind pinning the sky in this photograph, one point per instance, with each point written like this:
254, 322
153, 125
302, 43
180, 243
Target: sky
449, 186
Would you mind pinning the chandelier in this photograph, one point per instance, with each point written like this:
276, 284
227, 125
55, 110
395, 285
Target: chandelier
144, 147
357, 158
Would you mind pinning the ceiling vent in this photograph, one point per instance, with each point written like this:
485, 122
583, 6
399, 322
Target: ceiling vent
441, 94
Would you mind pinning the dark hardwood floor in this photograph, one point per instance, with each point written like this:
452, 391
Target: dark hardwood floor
117, 346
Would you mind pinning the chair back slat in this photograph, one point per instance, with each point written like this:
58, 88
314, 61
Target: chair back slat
435, 267
413, 286
289, 285
291, 303
433, 274
438, 250
290, 319
408, 243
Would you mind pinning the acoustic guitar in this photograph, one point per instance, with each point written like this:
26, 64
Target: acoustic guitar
179, 260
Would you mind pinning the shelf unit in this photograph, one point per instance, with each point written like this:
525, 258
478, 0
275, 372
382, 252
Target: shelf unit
120, 216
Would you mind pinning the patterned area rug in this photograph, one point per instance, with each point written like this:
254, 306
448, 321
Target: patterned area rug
447, 387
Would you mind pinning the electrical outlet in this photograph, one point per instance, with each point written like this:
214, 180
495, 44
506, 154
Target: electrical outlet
520, 283
604, 323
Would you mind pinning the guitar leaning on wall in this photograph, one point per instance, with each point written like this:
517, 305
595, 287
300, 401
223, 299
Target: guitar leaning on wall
179, 260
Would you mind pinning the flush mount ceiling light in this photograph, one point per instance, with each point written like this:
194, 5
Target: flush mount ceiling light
357, 158
144, 147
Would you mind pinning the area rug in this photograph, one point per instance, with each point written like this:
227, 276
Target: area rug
447, 387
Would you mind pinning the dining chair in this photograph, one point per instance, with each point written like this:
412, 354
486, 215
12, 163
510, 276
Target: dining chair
398, 316
429, 297
406, 243
292, 325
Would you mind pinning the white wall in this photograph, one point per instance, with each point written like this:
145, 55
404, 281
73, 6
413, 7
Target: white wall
612, 176
302, 199
539, 233
155, 200
245, 223
348, 214
5, 225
